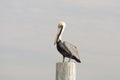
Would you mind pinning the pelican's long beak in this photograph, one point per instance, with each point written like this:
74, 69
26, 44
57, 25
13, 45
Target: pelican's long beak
57, 37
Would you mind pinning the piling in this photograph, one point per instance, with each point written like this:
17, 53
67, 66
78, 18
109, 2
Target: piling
65, 71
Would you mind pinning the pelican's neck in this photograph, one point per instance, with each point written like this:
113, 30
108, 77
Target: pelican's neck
60, 34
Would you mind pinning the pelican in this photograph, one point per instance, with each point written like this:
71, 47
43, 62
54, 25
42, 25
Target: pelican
65, 48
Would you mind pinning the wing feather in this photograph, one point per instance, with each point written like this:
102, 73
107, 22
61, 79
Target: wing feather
72, 49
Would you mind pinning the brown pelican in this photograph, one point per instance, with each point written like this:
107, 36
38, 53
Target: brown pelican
65, 48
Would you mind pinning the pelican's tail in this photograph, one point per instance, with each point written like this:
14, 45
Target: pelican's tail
78, 60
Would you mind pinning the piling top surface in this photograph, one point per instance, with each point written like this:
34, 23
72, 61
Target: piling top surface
65, 62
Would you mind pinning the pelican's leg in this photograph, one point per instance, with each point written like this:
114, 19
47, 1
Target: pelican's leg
63, 58
70, 58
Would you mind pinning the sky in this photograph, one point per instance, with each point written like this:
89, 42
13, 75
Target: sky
28, 29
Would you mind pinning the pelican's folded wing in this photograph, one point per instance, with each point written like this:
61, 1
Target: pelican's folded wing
72, 49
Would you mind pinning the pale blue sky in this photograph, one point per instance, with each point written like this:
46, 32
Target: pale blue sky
28, 30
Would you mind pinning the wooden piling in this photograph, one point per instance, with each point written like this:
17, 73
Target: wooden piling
65, 71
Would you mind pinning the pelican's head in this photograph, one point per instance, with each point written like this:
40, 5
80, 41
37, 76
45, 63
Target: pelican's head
61, 27
61, 24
